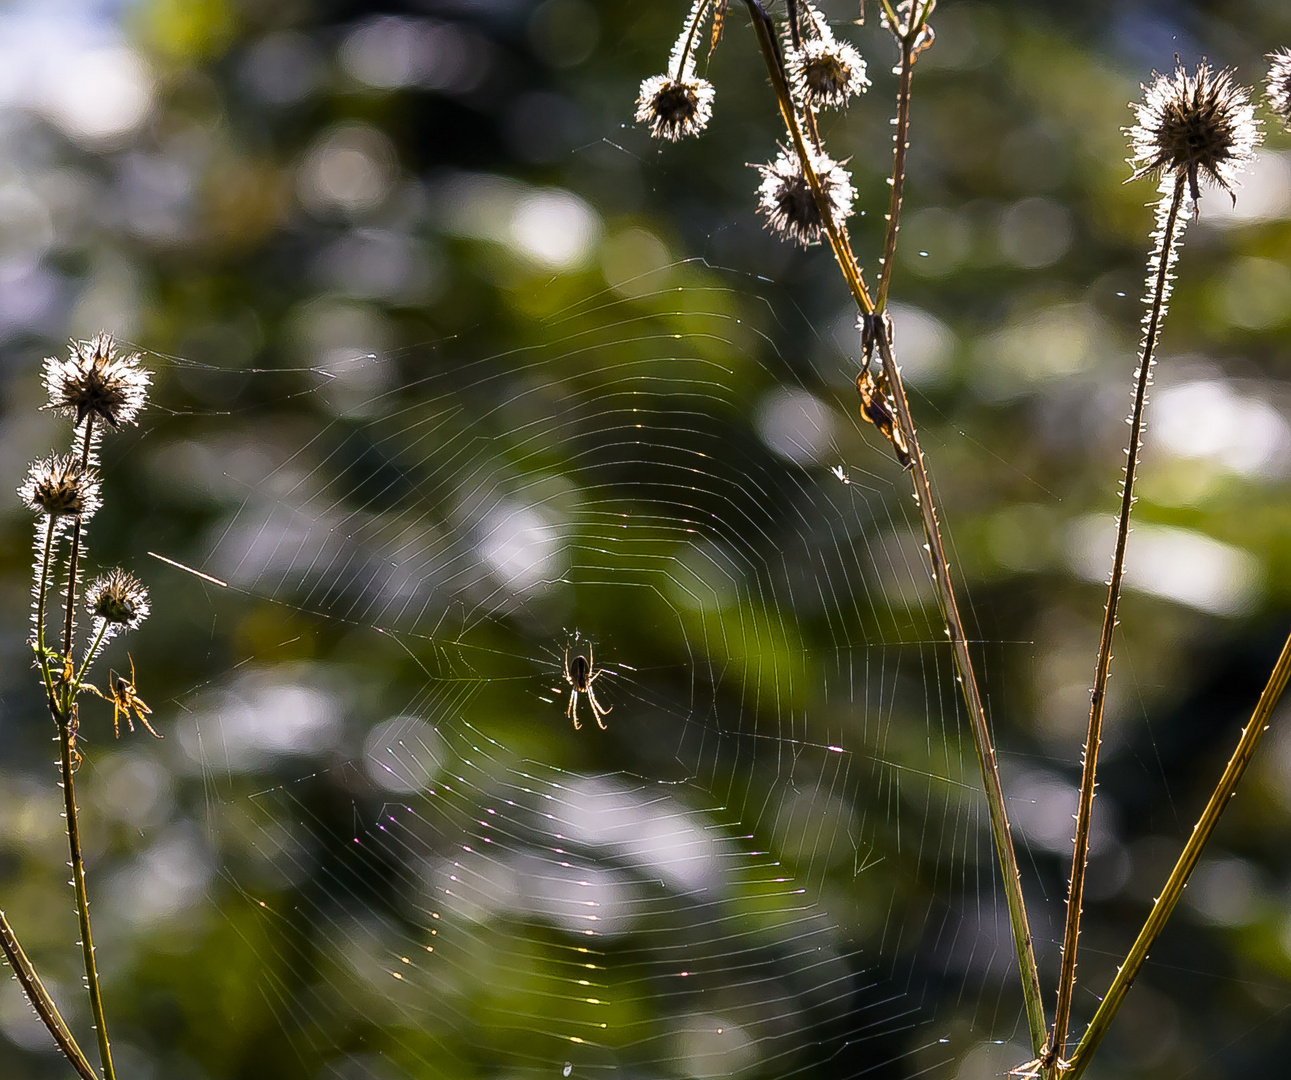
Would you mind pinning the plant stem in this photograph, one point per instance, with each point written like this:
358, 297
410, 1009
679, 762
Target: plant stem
841, 248
838, 242
1164, 257
42, 599
902, 141
41, 1001
67, 722
1188, 859
1000, 830
69, 618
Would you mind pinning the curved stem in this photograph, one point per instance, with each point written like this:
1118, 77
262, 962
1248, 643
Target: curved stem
40, 1000
1163, 257
1188, 859
67, 722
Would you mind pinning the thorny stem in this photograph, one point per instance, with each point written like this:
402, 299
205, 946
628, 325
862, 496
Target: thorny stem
69, 617
42, 598
67, 721
1001, 833
902, 141
1000, 830
1188, 859
1067, 973
795, 36
40, 1000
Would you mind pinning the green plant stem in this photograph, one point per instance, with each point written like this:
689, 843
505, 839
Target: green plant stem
1001, 832
67, 721
1188, 859
1084, 814
41, 1001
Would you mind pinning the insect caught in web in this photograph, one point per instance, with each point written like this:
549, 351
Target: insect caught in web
125, 701
580, 675
876, 402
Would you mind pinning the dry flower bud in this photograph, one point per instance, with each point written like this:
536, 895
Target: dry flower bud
60, 487
826, 73
95, 381
1190, 124
1279, 84
119, 599
675, 108
786, 199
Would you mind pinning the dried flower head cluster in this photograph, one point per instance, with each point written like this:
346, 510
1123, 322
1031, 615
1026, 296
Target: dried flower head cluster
1190, 124
59, 487
119, 600
679, 103
785, 197
95, 382
824, 72
1279, 85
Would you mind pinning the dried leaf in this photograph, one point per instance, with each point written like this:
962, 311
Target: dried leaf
719, 23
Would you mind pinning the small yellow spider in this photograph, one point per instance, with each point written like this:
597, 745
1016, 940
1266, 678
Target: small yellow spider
580, 677
125, 701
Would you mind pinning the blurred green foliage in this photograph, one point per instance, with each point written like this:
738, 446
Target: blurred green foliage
456, 369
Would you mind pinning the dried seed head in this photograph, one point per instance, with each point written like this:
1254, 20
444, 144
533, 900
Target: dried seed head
826, 73
1279, 84
785, 197
95, 381
675, 108
119, 600
1190, 124
60, 487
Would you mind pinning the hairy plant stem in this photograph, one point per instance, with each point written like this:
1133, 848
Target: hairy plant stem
1188, 859
64, 707
40, 1000
67, 722
1164, 256
847, 263
902, 141
42, 599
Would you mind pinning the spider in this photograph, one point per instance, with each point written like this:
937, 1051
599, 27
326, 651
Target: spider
125, 701
580, 677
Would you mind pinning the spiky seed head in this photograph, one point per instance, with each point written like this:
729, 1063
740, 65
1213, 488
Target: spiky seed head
826, 73
59, 487
675, 108
119, 599
785, 197
95, 381
1279, 85
1190, 124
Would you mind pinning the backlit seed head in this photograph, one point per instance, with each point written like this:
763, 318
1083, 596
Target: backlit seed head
1279, 84
119, 599
95, 381
826, 73
785, 197
60, 487
675, 108
1191, 124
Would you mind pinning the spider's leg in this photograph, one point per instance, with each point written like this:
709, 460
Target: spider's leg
598, 710
591, 663
572, 711
567, 678
143, 712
